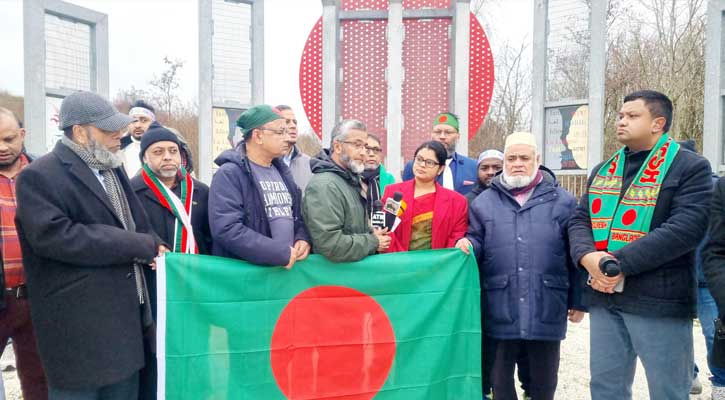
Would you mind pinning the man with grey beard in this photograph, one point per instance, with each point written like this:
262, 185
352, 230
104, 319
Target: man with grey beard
333, 206
84, 239
518, 230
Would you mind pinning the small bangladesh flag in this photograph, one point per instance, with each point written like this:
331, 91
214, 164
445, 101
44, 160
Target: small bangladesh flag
393, 326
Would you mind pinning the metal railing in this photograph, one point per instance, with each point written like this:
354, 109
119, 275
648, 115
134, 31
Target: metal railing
575, 183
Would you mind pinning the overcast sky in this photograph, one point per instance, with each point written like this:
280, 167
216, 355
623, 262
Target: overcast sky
142, 32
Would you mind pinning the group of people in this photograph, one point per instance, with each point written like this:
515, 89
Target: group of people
82, 225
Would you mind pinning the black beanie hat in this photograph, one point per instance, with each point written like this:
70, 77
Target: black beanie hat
156, 133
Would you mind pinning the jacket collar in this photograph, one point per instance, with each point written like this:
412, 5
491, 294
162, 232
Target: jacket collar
295, 153
323, 162
547, 185
457, 158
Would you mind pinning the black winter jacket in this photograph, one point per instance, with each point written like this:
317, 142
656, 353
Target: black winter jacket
659, 268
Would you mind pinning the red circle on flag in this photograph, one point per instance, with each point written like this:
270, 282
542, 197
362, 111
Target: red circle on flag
442, 119
596, 206
332, 342
629, 217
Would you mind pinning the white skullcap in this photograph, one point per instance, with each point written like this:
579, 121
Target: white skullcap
490, 154
520, 138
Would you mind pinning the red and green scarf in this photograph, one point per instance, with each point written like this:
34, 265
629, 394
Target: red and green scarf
184, 241
617, 223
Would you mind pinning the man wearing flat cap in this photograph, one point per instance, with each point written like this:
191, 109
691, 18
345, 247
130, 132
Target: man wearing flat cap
176, 205
84, 236
460, 172
254, 203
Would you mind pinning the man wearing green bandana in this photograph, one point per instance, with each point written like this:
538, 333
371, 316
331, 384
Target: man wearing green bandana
461, 172
254, 203
646, 207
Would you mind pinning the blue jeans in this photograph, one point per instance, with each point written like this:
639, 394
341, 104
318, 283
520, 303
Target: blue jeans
664, 345
127, 389
706, 313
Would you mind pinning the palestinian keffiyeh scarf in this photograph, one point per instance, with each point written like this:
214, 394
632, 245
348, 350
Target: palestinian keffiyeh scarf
615, 222
184, 241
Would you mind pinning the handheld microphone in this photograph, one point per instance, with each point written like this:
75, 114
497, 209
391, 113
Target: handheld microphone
610, 267
377, 219
394, 208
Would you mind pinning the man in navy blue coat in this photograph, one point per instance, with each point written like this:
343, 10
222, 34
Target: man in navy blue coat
518, 232
461, 173
254, 203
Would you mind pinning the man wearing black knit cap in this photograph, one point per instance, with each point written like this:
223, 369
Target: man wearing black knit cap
177, 208
84, 237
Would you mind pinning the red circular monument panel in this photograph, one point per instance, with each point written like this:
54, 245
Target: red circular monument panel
422, 55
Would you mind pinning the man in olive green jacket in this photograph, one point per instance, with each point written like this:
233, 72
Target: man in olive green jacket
333, 206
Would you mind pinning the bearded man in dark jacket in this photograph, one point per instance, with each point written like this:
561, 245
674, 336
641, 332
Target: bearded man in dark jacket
84, 238
647, 207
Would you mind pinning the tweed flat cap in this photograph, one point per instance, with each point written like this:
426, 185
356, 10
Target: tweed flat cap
87, 108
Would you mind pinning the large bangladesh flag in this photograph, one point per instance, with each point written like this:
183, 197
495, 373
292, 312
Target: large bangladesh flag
393, 326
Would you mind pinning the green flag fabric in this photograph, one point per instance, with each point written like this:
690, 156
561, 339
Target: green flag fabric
392, 326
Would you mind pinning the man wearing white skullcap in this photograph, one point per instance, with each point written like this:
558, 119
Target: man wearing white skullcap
518, 231
490, 163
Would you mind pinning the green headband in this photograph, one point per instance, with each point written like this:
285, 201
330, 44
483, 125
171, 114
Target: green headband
446, 119
256, 117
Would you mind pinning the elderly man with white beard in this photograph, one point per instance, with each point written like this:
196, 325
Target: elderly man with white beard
518, 231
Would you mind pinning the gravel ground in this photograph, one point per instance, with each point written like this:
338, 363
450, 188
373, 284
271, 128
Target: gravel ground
573, 371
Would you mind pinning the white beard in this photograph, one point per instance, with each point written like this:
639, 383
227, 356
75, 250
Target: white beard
519, 181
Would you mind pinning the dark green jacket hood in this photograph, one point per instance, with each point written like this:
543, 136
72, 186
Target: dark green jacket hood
322, 162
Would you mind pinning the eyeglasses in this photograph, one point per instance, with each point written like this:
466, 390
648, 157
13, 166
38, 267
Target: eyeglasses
444, 132
376, 150
427, 163
280, 132
356, 145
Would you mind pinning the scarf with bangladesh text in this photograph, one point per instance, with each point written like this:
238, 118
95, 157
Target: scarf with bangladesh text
184, 241
615, 222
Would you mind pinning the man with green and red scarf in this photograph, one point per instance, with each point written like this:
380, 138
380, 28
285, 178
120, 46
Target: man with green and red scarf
646, 207
176, 205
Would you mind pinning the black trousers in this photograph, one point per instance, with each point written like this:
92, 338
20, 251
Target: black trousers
543, 367
489, 356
